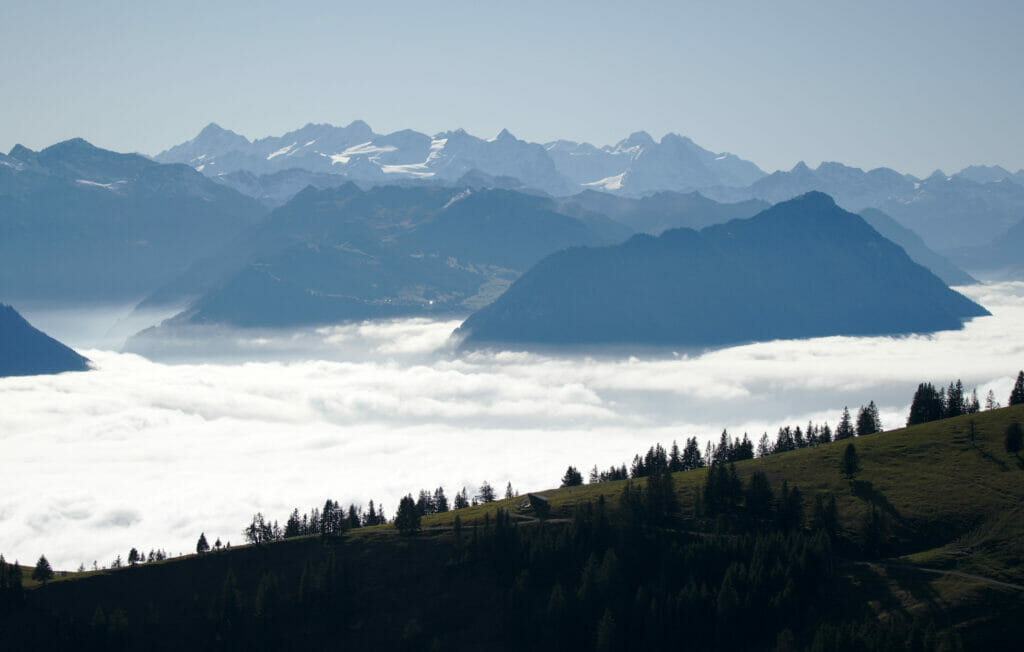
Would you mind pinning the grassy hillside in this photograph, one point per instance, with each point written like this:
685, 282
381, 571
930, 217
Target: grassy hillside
948, 506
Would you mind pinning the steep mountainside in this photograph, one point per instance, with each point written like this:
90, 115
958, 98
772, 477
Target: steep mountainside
803, 268
916, 248
27, 351
82, 223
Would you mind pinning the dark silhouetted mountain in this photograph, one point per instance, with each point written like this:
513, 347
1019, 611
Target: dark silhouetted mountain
82, 223
27, 351
803, 268
916, 248
344, 254
660, 211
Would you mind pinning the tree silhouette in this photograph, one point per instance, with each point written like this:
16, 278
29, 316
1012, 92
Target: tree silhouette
868, 422
845, 428
926, 406
1017, 395
407, 519
202, 546
486, 494
850, 463
572, 477
1014, 439
42, 572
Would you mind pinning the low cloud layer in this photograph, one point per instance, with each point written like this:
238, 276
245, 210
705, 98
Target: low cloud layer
149, 454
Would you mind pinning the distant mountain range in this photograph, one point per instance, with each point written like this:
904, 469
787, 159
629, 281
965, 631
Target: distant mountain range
635, 166
27, 351
79, 223
970, 208
343, 253
803, 268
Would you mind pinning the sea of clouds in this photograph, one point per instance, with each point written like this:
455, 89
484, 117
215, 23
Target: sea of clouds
148, 452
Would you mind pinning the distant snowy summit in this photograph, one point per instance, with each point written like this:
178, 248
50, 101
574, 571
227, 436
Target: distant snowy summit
637, 165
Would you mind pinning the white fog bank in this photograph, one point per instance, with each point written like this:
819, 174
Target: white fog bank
146, 454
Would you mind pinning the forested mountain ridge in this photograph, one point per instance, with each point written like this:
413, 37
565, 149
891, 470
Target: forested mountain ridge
803, 268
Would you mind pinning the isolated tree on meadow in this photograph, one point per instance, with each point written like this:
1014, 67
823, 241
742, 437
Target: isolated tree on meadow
572, 477
42, 572
407, 519
508, 490
1017, 395
1014, 439
133, 557
201, 546
850, 464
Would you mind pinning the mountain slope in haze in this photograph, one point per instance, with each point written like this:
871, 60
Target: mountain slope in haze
345, 254
916, 248
79, 223
803, 268
661, 211
946, 212
1000, 259
27, 351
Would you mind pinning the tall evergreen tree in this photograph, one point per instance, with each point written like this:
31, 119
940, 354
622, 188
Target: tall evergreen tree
42, 572
201, 546
868, 421
572, 477
440, 500
850, 463
1014, 439
926, 406
990, 401
486, 494
461, 499
407, 519
845, 428
1017, 395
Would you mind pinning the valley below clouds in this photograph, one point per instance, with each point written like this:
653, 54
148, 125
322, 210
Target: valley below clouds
148, 452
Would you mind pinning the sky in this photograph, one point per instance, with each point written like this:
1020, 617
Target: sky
149, 454
910, 85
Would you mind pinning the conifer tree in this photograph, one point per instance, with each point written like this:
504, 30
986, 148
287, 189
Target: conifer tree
1017, 395
927, 405
510, 494
440, 500
868, 422
572, 477
990, 401
461, 499
845, 428
42, 572
201, 546
850, 463
407, 519
486, 494
1014, 439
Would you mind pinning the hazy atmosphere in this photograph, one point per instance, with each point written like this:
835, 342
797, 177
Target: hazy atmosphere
146, 454
911, 85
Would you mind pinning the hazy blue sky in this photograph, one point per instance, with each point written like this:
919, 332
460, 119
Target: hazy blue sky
912, 85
